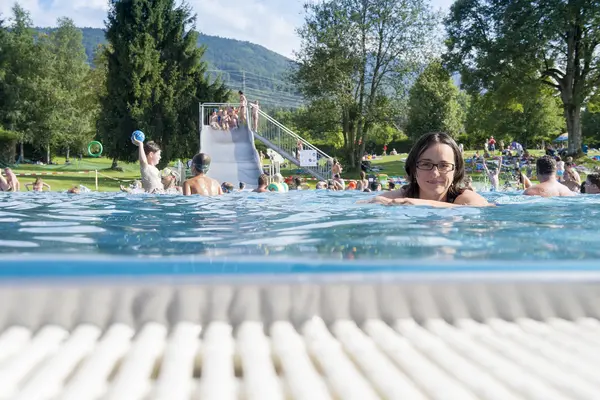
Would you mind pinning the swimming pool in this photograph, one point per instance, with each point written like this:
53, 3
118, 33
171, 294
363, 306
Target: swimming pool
297, 226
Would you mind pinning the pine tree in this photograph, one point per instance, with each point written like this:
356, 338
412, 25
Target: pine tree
155, 79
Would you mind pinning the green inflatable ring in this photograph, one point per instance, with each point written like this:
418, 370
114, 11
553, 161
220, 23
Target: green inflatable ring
90, 149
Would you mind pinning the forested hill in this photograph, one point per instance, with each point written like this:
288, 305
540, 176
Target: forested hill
259, 70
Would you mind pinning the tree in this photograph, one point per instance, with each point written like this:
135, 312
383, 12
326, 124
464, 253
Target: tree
353, 53
552, 41
155, 79
433, 104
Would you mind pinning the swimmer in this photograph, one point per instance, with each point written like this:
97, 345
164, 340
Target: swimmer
592, 184
227, 187
321, 185
435, 171
38, 185
263, 181
200, 183
241, 186
469, 183
571, 178
549, 185
493, 175
363, 179
149, 155
169, 179
4, 186
11, 179
298, 183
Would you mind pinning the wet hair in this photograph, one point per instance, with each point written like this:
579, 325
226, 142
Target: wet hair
262, 180
38, 181
242, 186
227, 187
545, 165
151, 147
297, 182
424, 142
201, 162
594, 179
391, 185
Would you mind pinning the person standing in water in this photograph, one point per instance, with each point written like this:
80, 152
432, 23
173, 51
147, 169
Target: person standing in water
11, 179
494, 175
200, 183
549, 185
149, 154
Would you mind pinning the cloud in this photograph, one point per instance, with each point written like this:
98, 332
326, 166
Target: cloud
270, 23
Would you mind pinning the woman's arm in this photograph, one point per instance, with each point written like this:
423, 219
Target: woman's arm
28, 185
47, 186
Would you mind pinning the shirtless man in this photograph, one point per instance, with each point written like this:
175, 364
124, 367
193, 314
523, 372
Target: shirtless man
243, 106
493, 175
571, 178
4, 186
549, 185
200, 183
263, 181
11, 179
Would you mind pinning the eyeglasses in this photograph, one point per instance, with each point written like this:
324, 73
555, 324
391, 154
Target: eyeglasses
442, 167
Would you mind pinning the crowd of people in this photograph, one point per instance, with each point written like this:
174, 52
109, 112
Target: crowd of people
436, 175
232, 117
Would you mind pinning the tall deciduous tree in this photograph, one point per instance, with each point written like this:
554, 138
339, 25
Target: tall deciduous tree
553, 41
433, 105
353, 53
155, 79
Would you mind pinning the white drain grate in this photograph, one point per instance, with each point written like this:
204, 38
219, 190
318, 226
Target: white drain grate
496, 360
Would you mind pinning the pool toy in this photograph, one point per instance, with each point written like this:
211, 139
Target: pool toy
138, 135
98, 145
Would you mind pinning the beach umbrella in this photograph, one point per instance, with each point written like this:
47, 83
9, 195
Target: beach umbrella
562, 138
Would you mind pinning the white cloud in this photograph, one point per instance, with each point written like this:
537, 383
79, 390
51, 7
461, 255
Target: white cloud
257, 21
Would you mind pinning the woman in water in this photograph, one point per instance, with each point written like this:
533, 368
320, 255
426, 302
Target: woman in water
435, 171
149, 154
592, 184
38, 185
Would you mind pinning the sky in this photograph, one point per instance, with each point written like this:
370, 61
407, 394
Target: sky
270, 23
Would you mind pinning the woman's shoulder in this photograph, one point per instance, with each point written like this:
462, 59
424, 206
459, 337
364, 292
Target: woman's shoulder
469, 197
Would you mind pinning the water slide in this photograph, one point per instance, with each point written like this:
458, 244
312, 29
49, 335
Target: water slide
234, 157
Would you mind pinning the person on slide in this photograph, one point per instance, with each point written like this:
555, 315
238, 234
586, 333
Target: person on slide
200, 183
149, 154
549, 185
435, 171
243, 107
255, 107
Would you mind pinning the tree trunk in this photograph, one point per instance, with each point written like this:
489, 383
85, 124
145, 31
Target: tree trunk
68, 153
573, 117
48, 160
114, 164
21, 153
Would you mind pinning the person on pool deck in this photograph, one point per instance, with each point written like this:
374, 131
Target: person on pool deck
149, 154
200, 183
592, 184
549, 185
263, 181
435, 170
493, 175
12, 181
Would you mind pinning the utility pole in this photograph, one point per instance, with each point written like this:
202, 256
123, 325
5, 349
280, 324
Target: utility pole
243, 81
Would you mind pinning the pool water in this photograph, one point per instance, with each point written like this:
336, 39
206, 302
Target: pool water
311, 225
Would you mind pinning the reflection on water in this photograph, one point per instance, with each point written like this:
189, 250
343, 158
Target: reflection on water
298, 224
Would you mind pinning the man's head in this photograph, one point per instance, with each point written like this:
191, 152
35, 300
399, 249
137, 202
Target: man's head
201, 163
546, 166
298, 182
262, 180
169, 177
242, 186
227, 187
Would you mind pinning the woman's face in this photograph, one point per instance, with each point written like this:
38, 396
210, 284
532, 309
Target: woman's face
590, 188
434, 184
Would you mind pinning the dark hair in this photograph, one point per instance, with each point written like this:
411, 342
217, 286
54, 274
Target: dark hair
240, 92
594, 179
391, 185
297, 181
363, 176
227, 187
262, 180
424, 142
557, 158
201, 162
545, 165
242, 185
569, 164
151, 147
